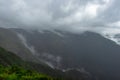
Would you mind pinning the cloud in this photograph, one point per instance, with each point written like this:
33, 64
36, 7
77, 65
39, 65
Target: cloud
68, 15
81, 12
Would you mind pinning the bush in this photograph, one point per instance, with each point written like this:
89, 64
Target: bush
17, 73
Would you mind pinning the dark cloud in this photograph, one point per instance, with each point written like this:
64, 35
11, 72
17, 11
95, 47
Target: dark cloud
70, 15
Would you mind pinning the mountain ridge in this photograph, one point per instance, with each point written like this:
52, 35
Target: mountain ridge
64, 50
14, 64
92, 51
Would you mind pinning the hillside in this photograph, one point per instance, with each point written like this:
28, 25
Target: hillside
90, 51
13, 67
17, 73
10, 59
11, 42
7, 58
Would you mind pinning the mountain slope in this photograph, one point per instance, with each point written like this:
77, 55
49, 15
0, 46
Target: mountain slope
11, 59
7, 58
18, 73
65, 50
10, 41
19, 69
14, 68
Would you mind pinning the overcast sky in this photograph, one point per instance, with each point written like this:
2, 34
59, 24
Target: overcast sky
70, 15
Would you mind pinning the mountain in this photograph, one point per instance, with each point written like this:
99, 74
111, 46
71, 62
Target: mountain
87, 51
10, 41
15, 67
8, 58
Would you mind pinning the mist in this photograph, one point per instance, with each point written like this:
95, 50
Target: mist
40, 31
101, 16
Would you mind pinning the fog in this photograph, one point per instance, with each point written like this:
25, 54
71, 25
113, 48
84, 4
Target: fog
76, 16
101, 16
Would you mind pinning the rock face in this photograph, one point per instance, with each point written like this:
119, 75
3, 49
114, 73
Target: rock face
91, 51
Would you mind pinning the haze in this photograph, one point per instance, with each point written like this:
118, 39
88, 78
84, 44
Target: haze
101, 16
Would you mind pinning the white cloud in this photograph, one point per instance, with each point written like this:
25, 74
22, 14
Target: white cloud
82, 14
115, 24
91, 9
31, 13
68, 7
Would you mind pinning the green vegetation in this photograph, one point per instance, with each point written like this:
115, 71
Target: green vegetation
17, 73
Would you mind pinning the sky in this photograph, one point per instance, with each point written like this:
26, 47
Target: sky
101, 16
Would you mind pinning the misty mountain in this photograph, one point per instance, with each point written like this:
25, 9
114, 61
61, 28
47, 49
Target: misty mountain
10, 41
12, 61
75, 39
8, 58
87, 51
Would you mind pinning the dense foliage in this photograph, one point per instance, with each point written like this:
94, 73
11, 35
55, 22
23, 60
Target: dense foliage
17, 73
